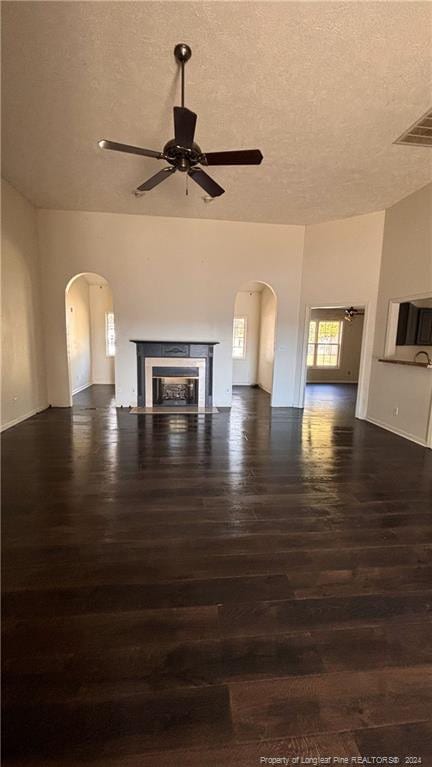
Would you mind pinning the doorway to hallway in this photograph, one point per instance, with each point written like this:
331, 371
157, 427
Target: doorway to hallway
333, 360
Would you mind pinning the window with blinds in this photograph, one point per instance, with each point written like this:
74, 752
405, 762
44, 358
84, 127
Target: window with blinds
239, 338
109, 334
324, 343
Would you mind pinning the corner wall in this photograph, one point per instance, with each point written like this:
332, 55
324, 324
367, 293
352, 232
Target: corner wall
248, 305
100, 303
406, 271
23, 363
341, 267
266, 356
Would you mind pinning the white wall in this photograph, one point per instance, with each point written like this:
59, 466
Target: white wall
341, 268
266, 356
79, 334
248, 304
173, 279
406, 271
23, 364
101, 302
349, 362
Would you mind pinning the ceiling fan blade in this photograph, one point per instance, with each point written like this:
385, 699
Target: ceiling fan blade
114, 146
156, 179
235, 157
184, 126
205, 182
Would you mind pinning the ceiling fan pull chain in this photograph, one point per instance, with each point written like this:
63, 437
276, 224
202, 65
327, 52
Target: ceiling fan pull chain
187, 185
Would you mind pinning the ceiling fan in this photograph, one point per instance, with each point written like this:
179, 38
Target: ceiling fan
353, 312
182, 153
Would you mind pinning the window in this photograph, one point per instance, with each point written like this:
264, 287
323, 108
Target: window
324, 343
239, 338
109, 334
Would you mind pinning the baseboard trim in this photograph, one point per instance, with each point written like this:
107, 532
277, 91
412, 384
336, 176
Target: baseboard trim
267, 391
398, 432
102, 383
81, 388
24, 417
340, 381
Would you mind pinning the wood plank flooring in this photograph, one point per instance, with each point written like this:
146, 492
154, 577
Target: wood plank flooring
187, 591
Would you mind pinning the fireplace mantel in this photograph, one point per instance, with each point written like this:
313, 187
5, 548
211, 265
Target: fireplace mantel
200, 350
176, 343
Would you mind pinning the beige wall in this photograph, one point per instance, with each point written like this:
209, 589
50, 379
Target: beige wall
23, 364
248, 304
101, 301
266, 356
138, 256
341, 268
406, 271
352, 332
79, 334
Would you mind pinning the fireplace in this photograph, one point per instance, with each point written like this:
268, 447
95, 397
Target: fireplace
174, 374
175, 391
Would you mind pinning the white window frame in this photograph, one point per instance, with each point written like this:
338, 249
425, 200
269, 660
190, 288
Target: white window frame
243, 356
110, 343
315, 343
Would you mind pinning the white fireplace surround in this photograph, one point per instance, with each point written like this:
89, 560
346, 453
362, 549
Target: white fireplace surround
170, 362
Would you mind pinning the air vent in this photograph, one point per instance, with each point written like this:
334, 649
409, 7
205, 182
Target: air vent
420, 134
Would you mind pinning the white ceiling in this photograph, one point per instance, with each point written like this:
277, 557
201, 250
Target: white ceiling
322, 88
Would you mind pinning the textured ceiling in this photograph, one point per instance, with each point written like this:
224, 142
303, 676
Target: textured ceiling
323, 89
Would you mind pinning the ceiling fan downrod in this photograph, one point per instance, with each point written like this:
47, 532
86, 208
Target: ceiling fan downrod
182, 52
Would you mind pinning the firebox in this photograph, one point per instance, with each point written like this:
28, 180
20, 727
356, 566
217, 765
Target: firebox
173, 391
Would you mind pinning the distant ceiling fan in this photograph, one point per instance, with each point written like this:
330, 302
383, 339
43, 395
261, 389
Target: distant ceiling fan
181, 152
352, 312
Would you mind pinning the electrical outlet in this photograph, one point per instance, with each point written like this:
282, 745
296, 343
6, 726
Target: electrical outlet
395, 411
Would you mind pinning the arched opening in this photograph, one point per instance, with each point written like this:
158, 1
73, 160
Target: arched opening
254, 328
90, 338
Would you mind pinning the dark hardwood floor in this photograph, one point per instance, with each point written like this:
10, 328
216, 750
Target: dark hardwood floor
184, 591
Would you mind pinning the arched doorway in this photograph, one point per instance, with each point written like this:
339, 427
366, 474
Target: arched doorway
90, 336
254, 328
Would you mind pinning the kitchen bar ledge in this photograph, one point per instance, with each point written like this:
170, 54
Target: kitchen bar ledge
406, 362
